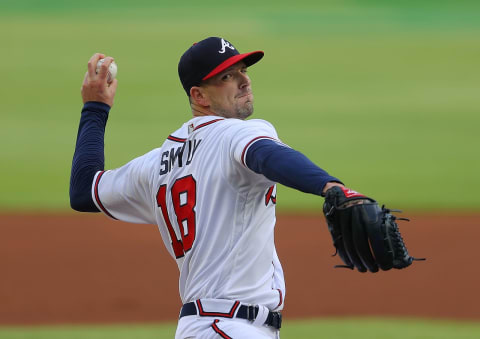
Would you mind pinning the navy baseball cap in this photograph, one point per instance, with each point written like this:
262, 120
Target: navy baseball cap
209, 57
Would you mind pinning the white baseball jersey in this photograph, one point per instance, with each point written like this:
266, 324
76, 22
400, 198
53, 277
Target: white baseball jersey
215, 215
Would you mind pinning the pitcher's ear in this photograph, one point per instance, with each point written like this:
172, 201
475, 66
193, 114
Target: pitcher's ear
198, 96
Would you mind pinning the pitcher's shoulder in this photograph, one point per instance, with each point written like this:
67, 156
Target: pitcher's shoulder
261, 122
246, 124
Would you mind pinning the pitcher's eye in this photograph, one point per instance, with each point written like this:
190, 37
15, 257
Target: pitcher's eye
226, 76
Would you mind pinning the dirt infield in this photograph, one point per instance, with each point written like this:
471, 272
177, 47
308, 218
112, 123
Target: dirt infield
89, 269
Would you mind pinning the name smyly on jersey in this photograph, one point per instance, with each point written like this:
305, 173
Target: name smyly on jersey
175, 156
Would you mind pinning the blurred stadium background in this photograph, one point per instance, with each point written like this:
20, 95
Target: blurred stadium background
384, 95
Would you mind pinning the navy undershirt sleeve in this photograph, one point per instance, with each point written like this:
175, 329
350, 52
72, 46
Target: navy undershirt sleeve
287, 167
89, 155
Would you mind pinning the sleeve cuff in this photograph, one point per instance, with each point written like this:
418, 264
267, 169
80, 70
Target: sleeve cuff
332, 179
95, 106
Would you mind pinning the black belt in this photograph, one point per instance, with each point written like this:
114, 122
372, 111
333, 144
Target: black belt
274, 319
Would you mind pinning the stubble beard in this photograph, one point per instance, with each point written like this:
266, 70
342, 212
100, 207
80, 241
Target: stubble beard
245, 111
239, 111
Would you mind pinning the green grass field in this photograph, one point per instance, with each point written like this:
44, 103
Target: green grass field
383, 96
368, 328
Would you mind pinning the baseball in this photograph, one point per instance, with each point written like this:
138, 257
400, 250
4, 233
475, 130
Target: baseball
112, 70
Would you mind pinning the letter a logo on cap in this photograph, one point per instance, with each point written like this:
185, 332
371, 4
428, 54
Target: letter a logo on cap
225, 44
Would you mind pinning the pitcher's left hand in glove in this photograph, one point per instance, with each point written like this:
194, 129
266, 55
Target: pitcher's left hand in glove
364, 235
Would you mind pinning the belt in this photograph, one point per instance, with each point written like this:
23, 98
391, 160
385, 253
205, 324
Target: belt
249, 312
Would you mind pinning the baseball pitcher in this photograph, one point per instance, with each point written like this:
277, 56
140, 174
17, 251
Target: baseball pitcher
211, 189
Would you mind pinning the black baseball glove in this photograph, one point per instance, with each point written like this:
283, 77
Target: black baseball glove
365, 236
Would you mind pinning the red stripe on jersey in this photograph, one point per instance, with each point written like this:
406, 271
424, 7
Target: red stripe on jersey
97, 197
217, 314
207, 123
281, 297
219, 331
250, 142
171, 137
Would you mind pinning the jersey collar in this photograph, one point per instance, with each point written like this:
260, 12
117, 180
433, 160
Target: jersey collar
199, 122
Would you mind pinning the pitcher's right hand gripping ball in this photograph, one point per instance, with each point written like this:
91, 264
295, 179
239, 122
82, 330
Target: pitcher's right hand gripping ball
97, 84
364, 235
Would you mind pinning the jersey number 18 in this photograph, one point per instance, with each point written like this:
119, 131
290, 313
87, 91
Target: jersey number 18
184, 198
